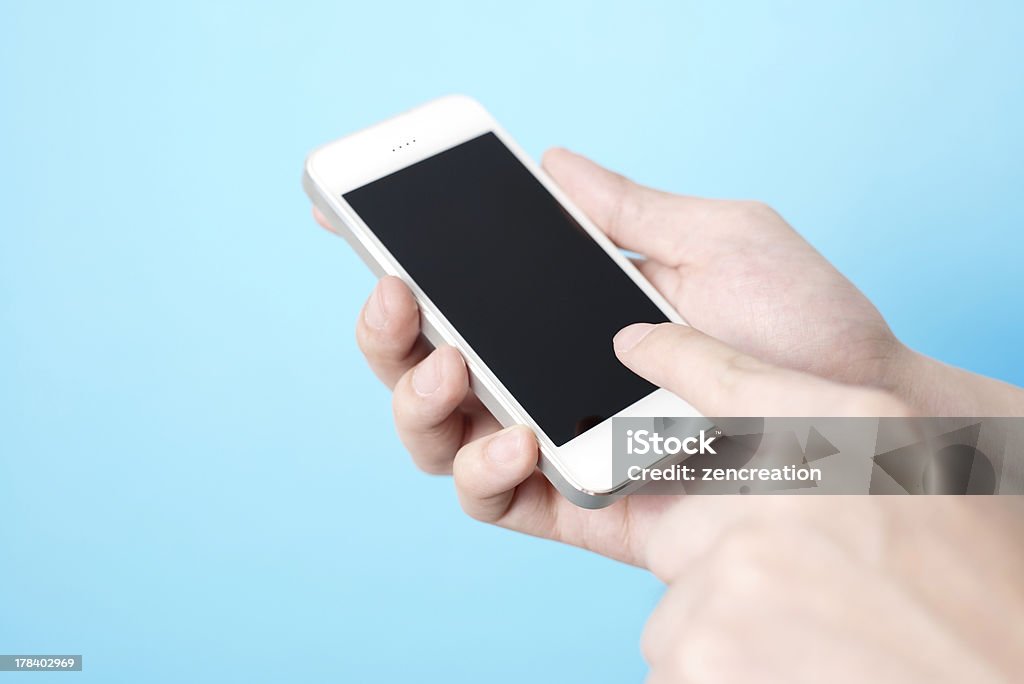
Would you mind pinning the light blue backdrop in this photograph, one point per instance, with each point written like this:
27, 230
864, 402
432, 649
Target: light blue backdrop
198, 477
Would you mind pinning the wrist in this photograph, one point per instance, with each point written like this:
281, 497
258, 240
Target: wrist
925, 384
932, 388
907, 376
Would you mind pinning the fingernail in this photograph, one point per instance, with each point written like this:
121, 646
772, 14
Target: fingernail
427, 376
628, 337
504, 447
376, 314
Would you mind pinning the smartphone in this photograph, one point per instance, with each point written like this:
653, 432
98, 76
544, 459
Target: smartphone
506, 270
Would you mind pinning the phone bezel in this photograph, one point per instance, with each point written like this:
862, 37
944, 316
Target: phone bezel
417, 134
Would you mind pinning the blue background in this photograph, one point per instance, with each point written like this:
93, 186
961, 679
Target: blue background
198, 476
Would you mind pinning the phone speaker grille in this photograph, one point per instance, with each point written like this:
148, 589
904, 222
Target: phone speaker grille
401, 146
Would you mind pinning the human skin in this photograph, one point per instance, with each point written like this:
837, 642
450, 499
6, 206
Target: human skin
838, 589
773, 314
776, 330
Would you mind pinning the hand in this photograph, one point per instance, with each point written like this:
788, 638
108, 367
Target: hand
719, 285
446, 428
739, 273
495, 472
847, 589
798, 331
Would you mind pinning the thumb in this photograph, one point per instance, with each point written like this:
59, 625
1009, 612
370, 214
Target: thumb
720, 381
659, 225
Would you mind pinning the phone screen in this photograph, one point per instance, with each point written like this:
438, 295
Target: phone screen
524, 284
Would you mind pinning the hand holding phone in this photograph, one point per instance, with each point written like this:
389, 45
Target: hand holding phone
504, 268
446, 428
738, 271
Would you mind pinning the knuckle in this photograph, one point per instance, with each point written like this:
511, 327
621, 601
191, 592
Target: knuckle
739, 364
628, 208
471, 506
735, 549
394, 341
744, 566
663, 625
647, 645
746, 578
401, 400
424, 413
379, 345
472, 511
466, 468
364, 338
709, 655
735, 372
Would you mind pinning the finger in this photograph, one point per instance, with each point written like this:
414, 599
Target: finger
666, 622
388, 330
706, 519
488, 472
427, 405
325, 222
497, 481
654, 223
666, 279
720, 381
322, 220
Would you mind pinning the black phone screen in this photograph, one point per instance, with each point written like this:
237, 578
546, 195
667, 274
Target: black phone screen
533, 294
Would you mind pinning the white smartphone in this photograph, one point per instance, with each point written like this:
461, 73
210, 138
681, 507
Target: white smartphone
506, 270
